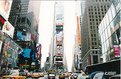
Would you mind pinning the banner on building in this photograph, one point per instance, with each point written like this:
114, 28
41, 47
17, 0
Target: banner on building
39, 46
5, 6
8, 29
2, 21
23, 36
116, 50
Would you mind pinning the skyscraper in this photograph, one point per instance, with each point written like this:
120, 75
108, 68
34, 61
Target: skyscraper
110, 32
25, 34
59, 46
94, 13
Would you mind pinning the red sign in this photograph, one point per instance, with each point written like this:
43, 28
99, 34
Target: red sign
2, 20
116, 50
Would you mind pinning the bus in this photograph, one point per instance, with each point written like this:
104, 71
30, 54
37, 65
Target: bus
104, 70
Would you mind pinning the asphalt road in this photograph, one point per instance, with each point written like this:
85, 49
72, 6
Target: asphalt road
45, 77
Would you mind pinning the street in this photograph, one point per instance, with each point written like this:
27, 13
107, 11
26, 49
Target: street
46, 77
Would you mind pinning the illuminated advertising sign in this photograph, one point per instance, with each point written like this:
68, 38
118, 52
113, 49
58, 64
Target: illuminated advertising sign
2, 21
23, 36
8, 29
5, 6
39, 51
116, 50
59, 36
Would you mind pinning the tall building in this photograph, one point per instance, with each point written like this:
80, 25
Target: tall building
82, 6
9, 49
110, 32
94, 13
26, 35
59, 46
77, 44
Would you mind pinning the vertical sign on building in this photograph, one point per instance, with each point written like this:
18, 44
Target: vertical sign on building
116, 51
8, 29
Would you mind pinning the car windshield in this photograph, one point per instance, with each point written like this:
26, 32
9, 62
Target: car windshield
51, 74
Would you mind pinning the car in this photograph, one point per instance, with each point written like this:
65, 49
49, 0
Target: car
51, 76
41, 74
74, 75
35, 75
61, 76
22, 72
66, 75
14, 72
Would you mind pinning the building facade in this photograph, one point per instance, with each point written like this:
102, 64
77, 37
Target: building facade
59, 45
110, 32
9, 49
94, 13
26, 34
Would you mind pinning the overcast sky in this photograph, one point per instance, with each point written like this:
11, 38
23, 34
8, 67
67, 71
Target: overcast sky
46, 27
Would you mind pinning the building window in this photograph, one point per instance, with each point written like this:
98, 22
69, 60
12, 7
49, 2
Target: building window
23, 20
95, 43
89, 9
96, 16
18, 20
95, 59
94, 35
92, 39
28, 22
97, 23
101, 6
91, 35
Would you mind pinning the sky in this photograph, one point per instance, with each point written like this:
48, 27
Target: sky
69, 31
46, 28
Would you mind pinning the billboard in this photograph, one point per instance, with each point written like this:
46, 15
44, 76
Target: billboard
26, 52
39, 47
23, 36
59, 36
2, 21
10, 52
116, 50
5, 6
8, 29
